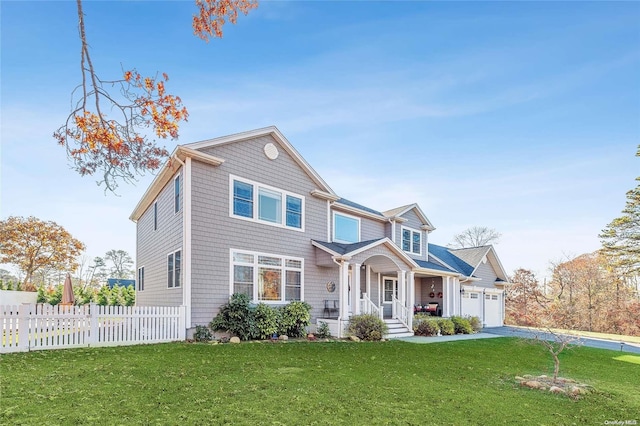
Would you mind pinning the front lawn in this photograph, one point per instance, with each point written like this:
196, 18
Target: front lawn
457, 383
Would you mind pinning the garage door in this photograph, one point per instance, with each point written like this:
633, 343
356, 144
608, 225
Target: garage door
492, 310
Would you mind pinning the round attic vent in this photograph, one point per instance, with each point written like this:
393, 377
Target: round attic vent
271, 151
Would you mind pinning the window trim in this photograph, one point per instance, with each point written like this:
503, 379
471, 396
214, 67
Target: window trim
140, 281
333, 231
412, 231
394, 290
173, 277
176, 197
283, 268
256, 204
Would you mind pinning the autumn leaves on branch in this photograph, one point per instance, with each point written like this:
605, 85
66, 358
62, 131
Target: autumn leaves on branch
116, 144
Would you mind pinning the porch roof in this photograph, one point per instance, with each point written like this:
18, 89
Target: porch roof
444, 255
342, 249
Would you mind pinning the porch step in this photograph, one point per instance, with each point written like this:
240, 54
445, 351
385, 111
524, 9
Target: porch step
396, 329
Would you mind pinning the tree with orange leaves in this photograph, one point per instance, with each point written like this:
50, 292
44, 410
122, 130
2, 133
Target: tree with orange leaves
116, 145
32, 244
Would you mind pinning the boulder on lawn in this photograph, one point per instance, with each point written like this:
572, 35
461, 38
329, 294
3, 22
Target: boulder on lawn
234, 339
283, 337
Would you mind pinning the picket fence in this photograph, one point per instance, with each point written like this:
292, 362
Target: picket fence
30, 327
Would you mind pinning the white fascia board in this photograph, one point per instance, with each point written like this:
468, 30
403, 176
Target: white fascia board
386, 241
324, 195
421, 270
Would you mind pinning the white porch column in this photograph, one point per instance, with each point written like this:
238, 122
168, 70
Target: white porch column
367, 279
402, 294
344, 290
355, 289
412, 296
456, 290
446, 297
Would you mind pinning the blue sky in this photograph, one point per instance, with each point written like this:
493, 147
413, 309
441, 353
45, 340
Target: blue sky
523, 117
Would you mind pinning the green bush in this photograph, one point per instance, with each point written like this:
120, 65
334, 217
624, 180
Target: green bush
266, 321
236, 317
475, 323
426, 327
323, 331
461, 325
202, 334
446, 327
294, 318
367, 327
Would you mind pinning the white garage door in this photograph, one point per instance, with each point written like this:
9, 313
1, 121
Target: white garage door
492, 310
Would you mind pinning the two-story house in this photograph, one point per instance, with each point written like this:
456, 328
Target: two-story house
245, 213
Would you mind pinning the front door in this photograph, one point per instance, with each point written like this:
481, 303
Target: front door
389, 291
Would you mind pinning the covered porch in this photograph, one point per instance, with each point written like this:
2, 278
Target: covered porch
375, 278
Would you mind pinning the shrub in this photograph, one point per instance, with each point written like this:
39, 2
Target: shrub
323, 331
367, 327
461, 325
475, 323
294, 318
446, 326
266, 321
202, 334
426, 327
236, 317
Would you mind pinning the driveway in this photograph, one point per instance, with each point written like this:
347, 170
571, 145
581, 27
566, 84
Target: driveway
586, 341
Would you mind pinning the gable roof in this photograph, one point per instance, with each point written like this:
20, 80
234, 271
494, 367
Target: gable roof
279, 138
475, 255
449, 259
399, 211
432, 264
357, 206
337, 249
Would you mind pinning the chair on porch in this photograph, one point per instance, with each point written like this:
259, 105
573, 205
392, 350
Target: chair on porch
434, 309
331, 307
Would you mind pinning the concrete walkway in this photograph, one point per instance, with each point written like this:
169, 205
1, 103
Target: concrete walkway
491, 332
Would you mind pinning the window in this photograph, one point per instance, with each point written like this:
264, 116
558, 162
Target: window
155, 216
174, 269
262, 203
411, 241
267, 277
494, 297
294, 212
141, 278
176, 194
474, 295
487, 297
346, 229
270, 205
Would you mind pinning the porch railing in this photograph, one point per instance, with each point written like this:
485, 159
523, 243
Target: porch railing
368, 307
401, 312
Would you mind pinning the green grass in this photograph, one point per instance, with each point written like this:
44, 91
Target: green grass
457, 383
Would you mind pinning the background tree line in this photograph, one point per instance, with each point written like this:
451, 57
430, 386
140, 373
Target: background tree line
597, 291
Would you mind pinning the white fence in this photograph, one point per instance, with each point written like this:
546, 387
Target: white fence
29, 327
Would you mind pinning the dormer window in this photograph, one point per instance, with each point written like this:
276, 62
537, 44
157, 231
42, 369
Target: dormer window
412, 241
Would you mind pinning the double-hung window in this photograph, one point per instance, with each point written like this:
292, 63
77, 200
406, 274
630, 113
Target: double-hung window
411, 241
266, 277
174, 269
346, 229
141, 278
265, 204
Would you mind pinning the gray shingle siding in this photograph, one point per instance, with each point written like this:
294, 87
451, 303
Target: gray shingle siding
487, 274
153, 246
215, 232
